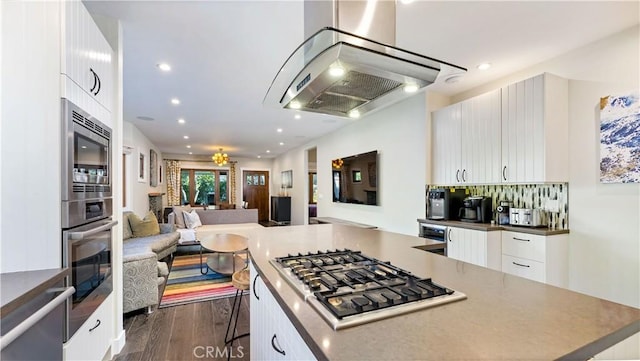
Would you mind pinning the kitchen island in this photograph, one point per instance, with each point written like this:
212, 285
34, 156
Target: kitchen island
503, 316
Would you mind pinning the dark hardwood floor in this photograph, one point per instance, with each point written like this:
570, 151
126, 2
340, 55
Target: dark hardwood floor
188, 332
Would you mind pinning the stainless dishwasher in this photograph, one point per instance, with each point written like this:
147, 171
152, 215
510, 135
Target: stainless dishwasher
32, 322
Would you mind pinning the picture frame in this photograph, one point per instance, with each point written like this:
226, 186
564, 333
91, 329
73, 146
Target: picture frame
287, 179
153, 168
160, 173
142, 173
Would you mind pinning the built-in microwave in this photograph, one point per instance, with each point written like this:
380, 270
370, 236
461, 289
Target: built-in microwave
86, 167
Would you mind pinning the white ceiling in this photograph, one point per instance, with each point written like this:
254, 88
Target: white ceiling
224, 55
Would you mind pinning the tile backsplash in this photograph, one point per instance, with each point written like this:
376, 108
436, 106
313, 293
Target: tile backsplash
527, 196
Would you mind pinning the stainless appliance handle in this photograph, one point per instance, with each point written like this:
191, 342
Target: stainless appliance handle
85, 234
30, 321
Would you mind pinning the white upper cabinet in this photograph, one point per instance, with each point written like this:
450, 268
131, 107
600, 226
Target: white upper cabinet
535, 130
446, 145
466, 141
87, 61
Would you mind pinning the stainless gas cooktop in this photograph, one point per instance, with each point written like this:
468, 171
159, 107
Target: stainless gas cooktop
349, 288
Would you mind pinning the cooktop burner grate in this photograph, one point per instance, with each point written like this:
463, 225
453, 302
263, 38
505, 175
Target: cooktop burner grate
349, 288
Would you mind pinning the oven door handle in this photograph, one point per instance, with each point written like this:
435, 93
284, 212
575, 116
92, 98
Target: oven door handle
25, 325
85, 234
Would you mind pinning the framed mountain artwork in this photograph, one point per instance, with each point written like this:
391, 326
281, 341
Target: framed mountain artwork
620, 138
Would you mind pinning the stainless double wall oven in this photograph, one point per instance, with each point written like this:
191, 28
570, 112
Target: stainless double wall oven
86, 212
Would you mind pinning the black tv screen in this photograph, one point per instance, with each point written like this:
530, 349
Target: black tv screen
355, 179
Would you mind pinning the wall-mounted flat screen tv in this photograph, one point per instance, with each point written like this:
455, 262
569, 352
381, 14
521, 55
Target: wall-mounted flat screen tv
355, 179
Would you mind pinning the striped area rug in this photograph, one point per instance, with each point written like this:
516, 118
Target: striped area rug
186, 284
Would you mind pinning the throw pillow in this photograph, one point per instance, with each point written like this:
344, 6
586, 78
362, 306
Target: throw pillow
144, 227
192, 219
177, 211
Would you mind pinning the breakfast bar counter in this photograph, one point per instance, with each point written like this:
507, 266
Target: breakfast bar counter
503, 316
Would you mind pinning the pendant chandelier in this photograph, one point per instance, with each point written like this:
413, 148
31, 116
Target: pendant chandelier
337, 163
220, 158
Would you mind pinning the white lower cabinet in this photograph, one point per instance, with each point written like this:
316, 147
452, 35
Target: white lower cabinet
478, 247
93, 339
273, 336
539, 258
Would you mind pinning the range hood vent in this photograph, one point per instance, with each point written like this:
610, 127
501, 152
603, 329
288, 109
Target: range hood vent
347, 75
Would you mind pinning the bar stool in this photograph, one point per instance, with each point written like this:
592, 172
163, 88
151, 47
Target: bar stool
240, 281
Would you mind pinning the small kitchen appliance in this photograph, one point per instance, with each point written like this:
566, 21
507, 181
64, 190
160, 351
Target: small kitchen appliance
503, 212
348, 288
527, 217
442, 203
476, 209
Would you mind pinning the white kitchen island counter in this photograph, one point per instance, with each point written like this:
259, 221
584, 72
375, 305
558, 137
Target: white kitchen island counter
503, 317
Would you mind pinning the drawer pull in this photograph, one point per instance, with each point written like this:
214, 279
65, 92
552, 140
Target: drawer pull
520, 264
96, 326
254, 287
521, 239
278, 349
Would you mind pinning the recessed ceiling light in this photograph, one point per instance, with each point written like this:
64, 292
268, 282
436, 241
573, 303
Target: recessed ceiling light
259, 156
142, 117
181, 121
410, 88
268, 151
294, 105
190, 152
484, 66
164, 66
188, 146
84, 147
175, 101
279, 130
336, 70
186, 137
354, 114
281, 143
297, 116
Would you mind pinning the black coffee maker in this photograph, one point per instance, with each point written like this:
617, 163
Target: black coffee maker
476, 209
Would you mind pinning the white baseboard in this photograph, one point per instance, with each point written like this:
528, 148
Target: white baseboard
118, 343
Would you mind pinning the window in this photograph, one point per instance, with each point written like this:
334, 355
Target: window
356, 176
204, 187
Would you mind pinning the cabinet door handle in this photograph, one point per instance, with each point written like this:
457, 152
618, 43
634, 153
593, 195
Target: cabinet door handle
278, 349
99, 85
521, 239
449, 235
254, 287
464, 172
504, 174
96, 325
95, 80
520, 264
457, 175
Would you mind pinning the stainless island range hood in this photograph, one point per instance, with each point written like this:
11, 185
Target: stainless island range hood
348, 74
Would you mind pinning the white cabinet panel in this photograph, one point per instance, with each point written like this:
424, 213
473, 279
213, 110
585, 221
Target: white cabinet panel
535, 130
466, 139
93, 339
523, 267
446, 145
524, 245
87, 57
478, 247
271, 329
540, 258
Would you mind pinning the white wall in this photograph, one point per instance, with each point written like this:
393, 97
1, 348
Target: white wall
604, 259
137, 196
398, 134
